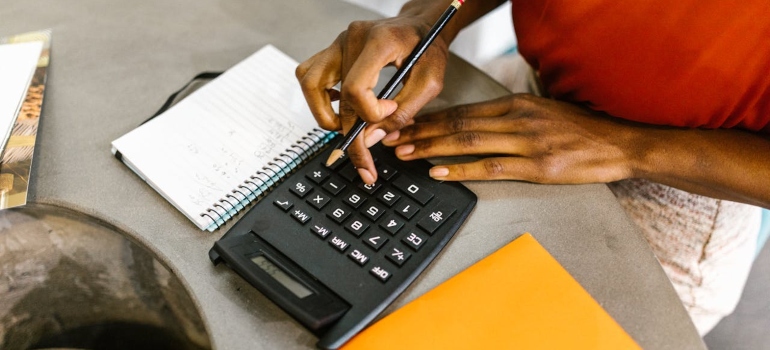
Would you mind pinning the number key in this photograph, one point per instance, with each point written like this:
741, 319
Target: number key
356, 227
389, 197
407, 209
392, 224
376, 240
373, 211
355, 199
338, 214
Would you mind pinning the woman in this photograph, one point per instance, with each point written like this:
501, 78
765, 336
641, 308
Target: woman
668, 102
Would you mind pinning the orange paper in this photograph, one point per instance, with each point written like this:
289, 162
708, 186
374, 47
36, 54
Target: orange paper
519, 297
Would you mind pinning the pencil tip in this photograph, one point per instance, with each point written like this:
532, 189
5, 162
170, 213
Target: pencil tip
336, 154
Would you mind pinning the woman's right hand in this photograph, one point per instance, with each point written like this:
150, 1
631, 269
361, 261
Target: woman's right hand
355, 59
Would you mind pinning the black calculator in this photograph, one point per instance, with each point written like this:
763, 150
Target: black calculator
334, 252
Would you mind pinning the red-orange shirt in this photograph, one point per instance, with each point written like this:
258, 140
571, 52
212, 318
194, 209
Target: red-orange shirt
688, 63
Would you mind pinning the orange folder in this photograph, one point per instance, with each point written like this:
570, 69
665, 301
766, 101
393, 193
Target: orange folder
519, 297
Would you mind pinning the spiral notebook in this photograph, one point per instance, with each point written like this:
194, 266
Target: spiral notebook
227, 143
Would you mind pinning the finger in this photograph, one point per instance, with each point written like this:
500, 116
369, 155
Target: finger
361, 79
492, 108
465, 143
422, 85
373, 133
317, 76
421, 131
495, 168
362, 159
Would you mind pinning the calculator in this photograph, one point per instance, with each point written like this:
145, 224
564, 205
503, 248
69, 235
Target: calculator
334, 252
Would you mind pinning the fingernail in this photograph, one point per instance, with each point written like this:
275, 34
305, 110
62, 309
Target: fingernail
438, 172
404, 150
373, 137
392, 136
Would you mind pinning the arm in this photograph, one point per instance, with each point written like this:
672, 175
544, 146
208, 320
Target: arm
523, 137
727, 164
355, 59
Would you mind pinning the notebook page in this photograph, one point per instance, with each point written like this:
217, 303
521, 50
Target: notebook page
17, 65
208, 144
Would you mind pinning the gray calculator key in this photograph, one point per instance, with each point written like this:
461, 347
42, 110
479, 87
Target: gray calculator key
407, 209
434, 218
339, 244
283, 203
376, 240
414, 240
398, 256
301, 189
413, 189
359, 257
300, 215
381, 273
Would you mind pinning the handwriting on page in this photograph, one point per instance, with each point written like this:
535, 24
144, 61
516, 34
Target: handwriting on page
221, 135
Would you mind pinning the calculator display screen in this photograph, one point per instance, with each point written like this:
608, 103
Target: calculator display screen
281, 277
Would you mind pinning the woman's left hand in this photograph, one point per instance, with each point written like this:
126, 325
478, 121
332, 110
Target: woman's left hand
522, 137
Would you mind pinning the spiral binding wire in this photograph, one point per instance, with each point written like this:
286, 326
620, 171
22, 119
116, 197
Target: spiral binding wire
266, 178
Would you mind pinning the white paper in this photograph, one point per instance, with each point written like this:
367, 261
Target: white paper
222, 134
17, 66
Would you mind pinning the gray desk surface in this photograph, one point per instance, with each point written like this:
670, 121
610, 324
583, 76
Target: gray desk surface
114, 63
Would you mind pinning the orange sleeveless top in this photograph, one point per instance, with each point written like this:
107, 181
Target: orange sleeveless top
685, 63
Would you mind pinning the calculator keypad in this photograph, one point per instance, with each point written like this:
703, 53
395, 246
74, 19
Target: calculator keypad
355, 246
372, 217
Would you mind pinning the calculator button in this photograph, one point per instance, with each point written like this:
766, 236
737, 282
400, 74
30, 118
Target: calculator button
370, 189
398, 256
284, 204
385, 171
359, 257
381, 274
392, 224
339, 244
376, 240
412, 189
348, 172
300, 216
320, 230
436, 217
373, 211
334, 186
338, 214
318, 200
355, 199
389, 197
301, 189
407, 209
317, 175
414, 240
356, 227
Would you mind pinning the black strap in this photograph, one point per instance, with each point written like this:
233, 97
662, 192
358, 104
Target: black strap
172, 99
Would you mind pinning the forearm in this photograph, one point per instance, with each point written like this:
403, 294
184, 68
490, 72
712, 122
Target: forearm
727, 164
431, 10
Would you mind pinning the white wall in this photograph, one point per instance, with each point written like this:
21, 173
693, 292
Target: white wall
480, 42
